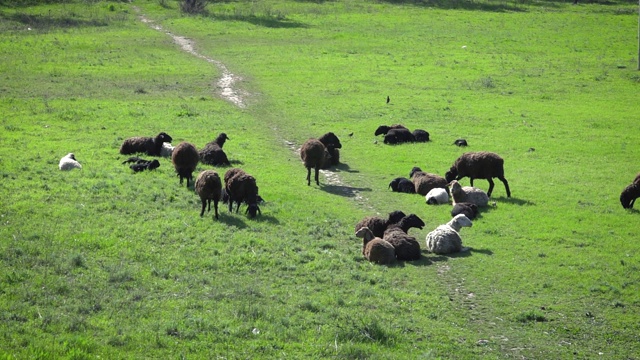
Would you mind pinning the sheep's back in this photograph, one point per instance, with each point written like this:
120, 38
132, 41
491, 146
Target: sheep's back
480, 165
312, 153
208, 185
471, 195
425, 182
406, 247
443, 240
379, 251
185, 157
137, 144
376, 224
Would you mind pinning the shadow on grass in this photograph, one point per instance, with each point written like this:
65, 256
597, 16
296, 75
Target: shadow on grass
266, 20
344, 167
343, 190
515, 201
492, 6
37, 21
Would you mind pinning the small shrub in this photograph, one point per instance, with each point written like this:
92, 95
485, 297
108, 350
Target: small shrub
193, 7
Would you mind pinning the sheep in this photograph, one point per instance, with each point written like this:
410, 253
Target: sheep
423, 182
384, 129
185, 159
314, 154
241, 187
401, 184
405, 246
375, 249
630, 193
212, 153
166, 150
398, 136
140, 144
69, 162
332, 143
437, 196
407, 222
468, 194
445, 239
378, 225
467, 209
420, 135
479, 165
460, 142
209, 187
145, 165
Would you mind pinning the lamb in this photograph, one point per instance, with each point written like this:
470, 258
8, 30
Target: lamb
166, 150
420, 135
314, 155
384, 129
423, 182
479, 165
332, 143
145, 165
185, 159
209, 187
140, 144
375, 249
467, 209
630, 193
69, 162
468, 194
445, 239
401, 184
437, 196
212, 153
241, 187
378, 225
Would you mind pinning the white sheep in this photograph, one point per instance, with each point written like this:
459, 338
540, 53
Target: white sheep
445, 239
468, 194
166, 150
69, 162
437, 196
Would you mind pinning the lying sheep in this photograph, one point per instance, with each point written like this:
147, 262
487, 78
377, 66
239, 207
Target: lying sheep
630, 193
375, 249
468, 194
479, 165
467, 209
437, 196
241, 187
145, 165
401, 184
69, 162
445, 239
166, 150
212, 153
406, 246
185, 159
407, 222
420, 135
332, 143
140, 144
398, 136
209, 187
423, 182
384, 129
378, 225
314, 155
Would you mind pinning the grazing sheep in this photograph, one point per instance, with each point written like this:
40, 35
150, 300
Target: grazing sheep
479, 165
467, 209
460, 142
630, 194
406, 246
241, 187
140, 144
69, 162
378, 225
375, 249
209, 187
314, 154
468, 194
212, 153
332, 143
437, 196
185, 159
384, 129
398, 136
424, 182
420, 135
445, 239
145, 165
166, 150
403, 185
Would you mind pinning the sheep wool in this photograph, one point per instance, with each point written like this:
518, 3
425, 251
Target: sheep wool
314, 155
209, 187
140, 144
185, 158
69, 162
375, 249
377, 225
437, 196
425, 182
468, 194
445, 239
479, 165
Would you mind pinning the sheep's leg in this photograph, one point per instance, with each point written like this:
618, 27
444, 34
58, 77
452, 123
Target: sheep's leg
317, 174
204, 204
471, 181
209, 201
238, 207
506, 185
215, 207
230, 204
491, 184
308, 176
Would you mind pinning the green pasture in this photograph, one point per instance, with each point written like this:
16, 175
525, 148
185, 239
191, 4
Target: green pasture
106, 263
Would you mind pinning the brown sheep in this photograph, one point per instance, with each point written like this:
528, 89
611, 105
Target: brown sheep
314, 154
376, 249
479, 165
212, 153
378, 225
425, 182
209, 187
241, 187
185, 159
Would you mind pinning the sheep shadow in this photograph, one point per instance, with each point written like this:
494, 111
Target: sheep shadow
343, 190
515, 201
344, 167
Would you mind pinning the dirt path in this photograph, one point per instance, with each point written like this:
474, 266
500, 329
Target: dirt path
228, 91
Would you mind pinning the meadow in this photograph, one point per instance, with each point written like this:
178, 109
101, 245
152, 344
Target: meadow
104, 262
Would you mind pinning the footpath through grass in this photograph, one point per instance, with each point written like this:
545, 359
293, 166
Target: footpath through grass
105, 262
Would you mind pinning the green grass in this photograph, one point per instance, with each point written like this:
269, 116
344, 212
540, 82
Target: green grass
104, 262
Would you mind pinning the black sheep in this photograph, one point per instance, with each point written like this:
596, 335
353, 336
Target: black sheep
420, 135
332, 143
212, 153
241, 187
139, 144
460, 142
398, 136
185, 158
469, 210
401, 184
145, 165
378, 225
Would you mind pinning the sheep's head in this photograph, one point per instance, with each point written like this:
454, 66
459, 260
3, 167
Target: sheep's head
451, 174
71, 156
460, 221
221, 139
382, 129
163, 137
414, 170
330, 139
629, 194
395, 216
412, 220
455, 187
153, 165
253, 210
365, 233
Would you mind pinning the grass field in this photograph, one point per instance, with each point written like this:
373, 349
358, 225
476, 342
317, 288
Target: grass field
102, 262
